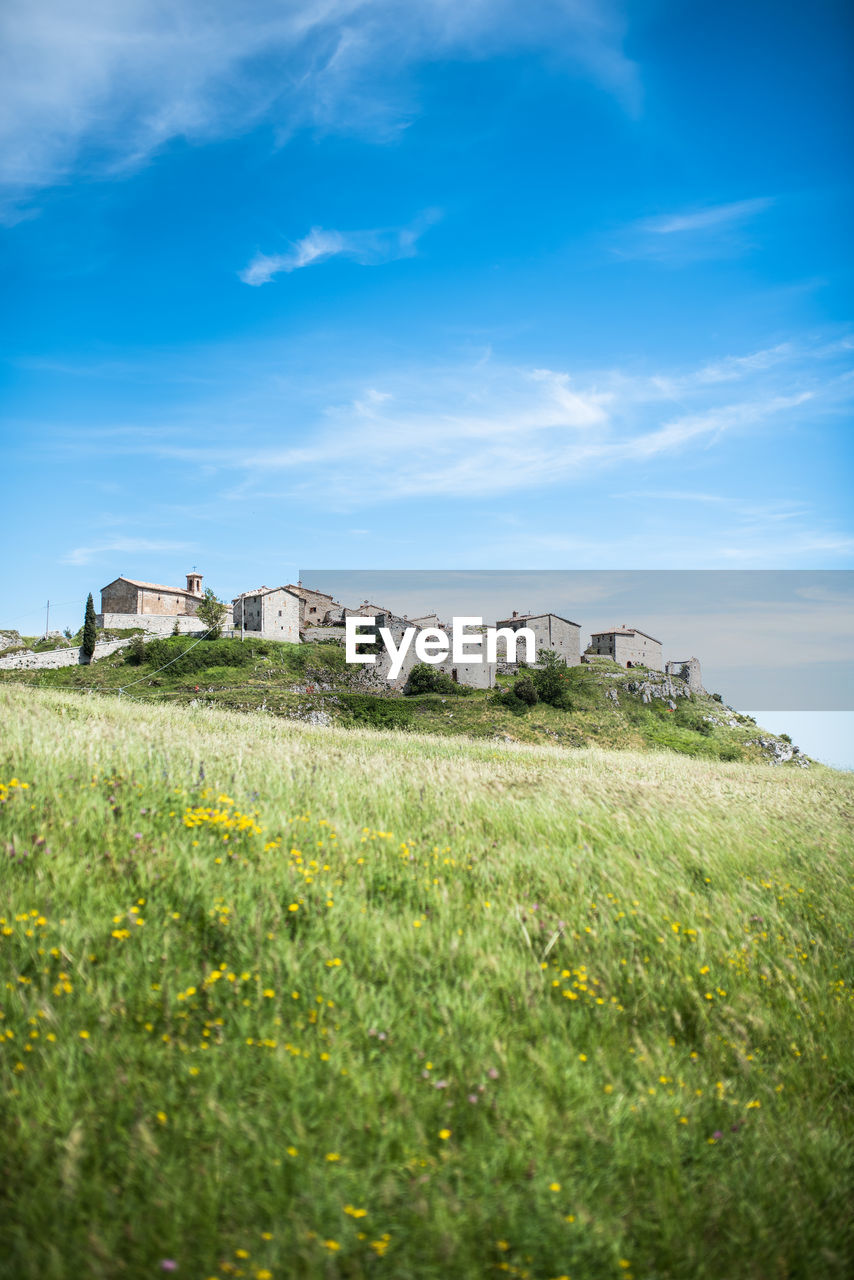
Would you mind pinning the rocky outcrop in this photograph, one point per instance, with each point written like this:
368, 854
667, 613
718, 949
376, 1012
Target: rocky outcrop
666, 688
779, 752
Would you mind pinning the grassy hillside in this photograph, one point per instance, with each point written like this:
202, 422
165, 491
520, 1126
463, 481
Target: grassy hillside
286, 1001
311, 682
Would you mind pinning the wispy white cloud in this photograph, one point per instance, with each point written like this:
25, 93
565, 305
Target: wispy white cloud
99, 85
712, 217
369, 248
482, 429
481, 434
714, 230
105, 550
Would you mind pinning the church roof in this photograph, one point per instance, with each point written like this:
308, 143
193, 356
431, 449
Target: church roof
152, 586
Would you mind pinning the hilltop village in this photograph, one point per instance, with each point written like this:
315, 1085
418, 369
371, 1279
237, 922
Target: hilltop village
296, 613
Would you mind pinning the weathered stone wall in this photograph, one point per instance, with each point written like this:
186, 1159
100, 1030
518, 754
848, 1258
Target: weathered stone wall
170, 603
689, 670
550, 632
273, 614
59, 657
324, 633
479, 675
628, 647
281, 616
639, 650
153, 624
120, 597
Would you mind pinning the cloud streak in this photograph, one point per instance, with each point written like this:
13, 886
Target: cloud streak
484, 429
104, 550
368, 248
709, 231
710, 218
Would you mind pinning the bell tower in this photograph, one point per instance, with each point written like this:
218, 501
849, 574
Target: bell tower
194, 583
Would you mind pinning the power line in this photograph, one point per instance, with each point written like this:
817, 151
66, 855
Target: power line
177, 658
61, 604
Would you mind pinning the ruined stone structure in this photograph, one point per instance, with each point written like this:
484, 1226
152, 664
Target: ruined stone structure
127, 602
550, 632
689, 670
628, 646
271, 612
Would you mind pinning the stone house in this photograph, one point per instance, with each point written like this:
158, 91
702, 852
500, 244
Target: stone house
270, 612
317, 607
550, 632
127, 602
628, 646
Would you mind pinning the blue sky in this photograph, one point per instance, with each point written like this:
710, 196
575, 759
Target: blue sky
386, 284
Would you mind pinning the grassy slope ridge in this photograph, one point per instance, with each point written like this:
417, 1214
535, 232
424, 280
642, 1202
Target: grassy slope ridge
310, 681
457, 1009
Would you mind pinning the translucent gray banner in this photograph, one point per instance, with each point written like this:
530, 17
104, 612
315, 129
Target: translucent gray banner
775, 639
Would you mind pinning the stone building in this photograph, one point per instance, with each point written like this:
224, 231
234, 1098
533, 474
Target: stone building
628, 646
317, 607
550, 632
270, 612
127, 602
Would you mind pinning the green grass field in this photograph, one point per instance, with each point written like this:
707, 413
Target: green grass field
283, 1001
311, 681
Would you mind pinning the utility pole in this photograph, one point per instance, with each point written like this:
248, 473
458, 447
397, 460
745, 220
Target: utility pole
242, 613
47, 620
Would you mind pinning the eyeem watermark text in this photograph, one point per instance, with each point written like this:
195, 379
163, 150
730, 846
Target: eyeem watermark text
469, 641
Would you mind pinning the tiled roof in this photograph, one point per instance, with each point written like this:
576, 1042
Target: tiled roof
263, 591
626, 631
155, 586
298, 591
526, 617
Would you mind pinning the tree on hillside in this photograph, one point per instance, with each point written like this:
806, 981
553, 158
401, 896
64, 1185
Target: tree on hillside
551, 680
90, 630
212, 613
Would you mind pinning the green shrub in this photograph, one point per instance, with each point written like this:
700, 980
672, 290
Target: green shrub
691, 718
135, 652
376, 710
424, 678
184, 655
526, 691
551, 680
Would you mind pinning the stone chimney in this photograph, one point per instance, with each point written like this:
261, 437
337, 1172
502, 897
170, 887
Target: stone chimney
194, 584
